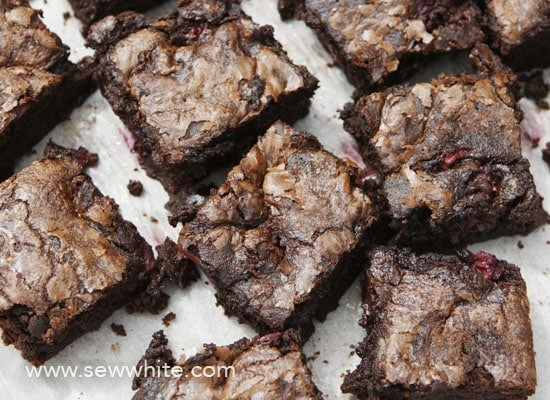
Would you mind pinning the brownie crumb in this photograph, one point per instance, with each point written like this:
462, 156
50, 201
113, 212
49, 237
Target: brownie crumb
168, 318
533, 140
115, 347
118, 329
325, 362
135, 188
314, 357
171, 267
66, 15
520, 245
153, 220
546, 154
535, 88
158, 354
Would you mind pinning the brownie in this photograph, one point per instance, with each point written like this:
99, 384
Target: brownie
271, 367
444, 327
171, 267
89, 11
520, 31
448, 155
67, 258
135, 187
38, 85
196, 88
378, 42
279, 239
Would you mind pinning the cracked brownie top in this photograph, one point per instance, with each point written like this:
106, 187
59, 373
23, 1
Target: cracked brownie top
279, 226
377, 36
450, 155
439, 323
62, 245
203, 72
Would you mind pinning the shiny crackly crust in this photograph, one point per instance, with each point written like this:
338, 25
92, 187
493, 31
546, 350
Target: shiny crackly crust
264, 368
376, 41
68, 257
449, 152
168, 83
38, 85
281, 231
520, 31
437, 329
25, 40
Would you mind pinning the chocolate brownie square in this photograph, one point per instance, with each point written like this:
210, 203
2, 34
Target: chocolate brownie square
279, 239
377, 42
444, 327
67, 258
520, 31
198, 87
449, 157
89, 11
38, 85
271, 367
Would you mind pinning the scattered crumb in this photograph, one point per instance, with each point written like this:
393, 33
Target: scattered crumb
206, 283
535, 88
325, 362
168, 318
548, 242
115, 347
520, 244
342, 375
154, 220
118, 329
135, 169
331, 65
314, 357
66, 16
135, 188
352, 353
352, 346
546, 154
533, 140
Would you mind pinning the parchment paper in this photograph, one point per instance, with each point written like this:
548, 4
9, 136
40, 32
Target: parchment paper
199, 320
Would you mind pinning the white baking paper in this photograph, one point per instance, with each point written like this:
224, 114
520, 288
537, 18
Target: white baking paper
199, 320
